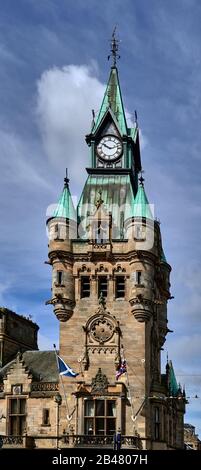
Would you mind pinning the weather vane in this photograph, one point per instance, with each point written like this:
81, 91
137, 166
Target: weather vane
114, 48
141, 179
66, 180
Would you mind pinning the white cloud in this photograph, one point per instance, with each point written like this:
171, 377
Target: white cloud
65, 97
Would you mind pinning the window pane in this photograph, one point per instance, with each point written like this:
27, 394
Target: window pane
111, 408
22, 425
120, 286
89, 408
110, 425
100, 426
46, 416
13, 407
100, 408
59, 277
102, 286
85, 286
139, 277
13, 426
89, 425
22, 406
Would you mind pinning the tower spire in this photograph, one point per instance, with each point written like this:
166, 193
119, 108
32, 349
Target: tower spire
114, 48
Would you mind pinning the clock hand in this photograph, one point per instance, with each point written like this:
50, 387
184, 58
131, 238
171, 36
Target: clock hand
109, 147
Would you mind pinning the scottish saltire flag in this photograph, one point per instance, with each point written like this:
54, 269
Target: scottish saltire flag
122, 369
64, 369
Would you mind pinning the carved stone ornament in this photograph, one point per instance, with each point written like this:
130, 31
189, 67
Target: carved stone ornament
99, 383
102, 329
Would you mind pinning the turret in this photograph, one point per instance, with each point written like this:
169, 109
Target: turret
62, 228
141, 237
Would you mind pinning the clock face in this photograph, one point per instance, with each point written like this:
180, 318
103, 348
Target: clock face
109, 147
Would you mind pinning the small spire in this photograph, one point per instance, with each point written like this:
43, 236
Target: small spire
114, 48
66, 179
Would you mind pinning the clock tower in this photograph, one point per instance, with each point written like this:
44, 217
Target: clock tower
110, 289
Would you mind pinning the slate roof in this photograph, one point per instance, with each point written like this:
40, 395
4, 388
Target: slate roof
41, 364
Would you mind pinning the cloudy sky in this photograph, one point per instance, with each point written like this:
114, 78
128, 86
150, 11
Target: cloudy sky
54, 68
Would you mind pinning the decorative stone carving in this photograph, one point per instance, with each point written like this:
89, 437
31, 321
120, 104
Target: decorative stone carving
63, 308
102, 335
102, 329
141, 308
99, 383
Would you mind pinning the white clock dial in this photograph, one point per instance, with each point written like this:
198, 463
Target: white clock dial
109, 147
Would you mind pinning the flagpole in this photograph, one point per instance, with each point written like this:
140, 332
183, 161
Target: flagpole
132, 408
65, 398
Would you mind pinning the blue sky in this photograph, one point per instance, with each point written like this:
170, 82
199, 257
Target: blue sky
54, 68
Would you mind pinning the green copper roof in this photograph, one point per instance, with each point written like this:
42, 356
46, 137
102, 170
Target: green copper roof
173, 386
117, 198
133, 132
65, 207
141, 207
113, 100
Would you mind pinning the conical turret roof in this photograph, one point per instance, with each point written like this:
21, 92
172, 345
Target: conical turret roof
141, 207
65, 207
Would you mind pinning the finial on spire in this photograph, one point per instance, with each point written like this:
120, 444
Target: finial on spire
93, 118
66, 179
114, 48
141, 179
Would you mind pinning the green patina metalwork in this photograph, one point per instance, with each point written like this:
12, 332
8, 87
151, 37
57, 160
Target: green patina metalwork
173, 385
163, 258
113, 101
141, 207
65, 207
116, 198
